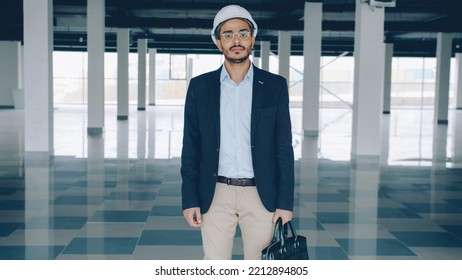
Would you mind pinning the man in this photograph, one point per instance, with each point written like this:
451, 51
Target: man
237, 160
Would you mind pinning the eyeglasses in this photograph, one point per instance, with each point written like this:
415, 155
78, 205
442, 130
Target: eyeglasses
243, 35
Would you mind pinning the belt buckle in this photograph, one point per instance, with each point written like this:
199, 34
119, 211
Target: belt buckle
228, 181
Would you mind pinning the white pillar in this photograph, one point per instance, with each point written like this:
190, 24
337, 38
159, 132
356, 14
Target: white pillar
457, 139
38, 78
368, 83
95, 31
387, 78
312, 63
142, 51
123, 50
152, 76
38, 177
443, 65
284, 45
20, 66
459, 81
9, 72
265, 49
152, 135
189, 69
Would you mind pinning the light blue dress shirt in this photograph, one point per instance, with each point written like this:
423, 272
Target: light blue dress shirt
235, 111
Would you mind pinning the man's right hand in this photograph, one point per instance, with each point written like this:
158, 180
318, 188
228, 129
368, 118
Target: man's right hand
193, 216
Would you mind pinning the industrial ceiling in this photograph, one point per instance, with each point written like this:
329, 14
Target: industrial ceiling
183, 26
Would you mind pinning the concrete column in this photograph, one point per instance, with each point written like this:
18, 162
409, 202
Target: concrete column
284, 45
189, 69
142, 51
38, 187
95, 31
387, 78
368, 84
443, 65
459, 81
312, 64
457, 139
152, 76
265, 49
38, 78
123, 50
9, 72
152, 135
20, 66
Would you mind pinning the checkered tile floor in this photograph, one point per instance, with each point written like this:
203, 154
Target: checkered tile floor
112, 205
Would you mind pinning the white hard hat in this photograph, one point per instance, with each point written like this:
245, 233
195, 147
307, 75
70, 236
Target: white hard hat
229, 12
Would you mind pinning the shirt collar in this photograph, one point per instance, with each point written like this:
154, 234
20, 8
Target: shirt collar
224, 74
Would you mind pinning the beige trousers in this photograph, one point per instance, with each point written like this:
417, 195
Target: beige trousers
233, 205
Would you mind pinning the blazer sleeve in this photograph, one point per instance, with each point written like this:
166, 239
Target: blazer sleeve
284, 152
190, 155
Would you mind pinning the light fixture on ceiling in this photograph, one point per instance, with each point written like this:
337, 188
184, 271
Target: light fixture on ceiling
382, 3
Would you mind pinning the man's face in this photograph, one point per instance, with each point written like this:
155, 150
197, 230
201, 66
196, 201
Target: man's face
236, 49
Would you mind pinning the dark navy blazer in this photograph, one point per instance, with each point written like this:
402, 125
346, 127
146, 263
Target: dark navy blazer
271, 141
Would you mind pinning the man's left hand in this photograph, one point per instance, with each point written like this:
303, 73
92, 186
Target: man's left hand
285, 215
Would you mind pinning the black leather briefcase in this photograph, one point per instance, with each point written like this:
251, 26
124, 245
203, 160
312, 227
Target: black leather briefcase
283, 247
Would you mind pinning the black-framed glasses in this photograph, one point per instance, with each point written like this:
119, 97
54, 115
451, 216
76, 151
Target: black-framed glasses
243, 35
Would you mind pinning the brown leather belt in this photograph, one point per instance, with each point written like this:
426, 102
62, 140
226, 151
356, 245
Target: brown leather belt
242, 182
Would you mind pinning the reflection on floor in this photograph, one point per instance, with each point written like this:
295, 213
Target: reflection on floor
118, 196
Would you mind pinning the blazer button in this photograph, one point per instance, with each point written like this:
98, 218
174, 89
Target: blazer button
218, 149
214, 174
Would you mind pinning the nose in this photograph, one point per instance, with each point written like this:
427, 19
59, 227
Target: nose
237, 39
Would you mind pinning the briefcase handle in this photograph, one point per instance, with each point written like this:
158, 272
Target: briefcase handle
281, 231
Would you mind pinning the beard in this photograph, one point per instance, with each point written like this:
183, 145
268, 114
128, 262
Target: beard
238, 59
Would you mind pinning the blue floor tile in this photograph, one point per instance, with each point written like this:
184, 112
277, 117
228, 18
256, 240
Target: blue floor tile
8, 228
120, 216
166, 211
237, 257
433, 208
106, 245
397, 213
171, 237
55, 223
326, 253
454, 229
21, 205
345, 218
131, 196
79, 200
428, 239
144, 182
170, 191
30, 252
323, 197
7, 190
455, 202
374, 247
306, 224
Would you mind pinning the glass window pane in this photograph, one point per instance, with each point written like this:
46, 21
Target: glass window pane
177, 67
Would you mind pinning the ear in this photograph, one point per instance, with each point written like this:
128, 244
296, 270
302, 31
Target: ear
218, 44
253, 42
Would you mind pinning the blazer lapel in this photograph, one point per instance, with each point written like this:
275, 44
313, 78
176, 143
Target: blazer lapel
214, 95
258, 90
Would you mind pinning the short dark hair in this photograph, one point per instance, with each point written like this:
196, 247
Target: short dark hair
218, 29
